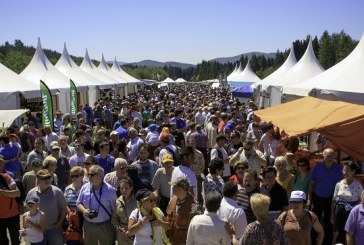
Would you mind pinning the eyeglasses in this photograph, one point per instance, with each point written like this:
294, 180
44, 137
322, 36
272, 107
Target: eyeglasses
91, 174
75, 176
241, 168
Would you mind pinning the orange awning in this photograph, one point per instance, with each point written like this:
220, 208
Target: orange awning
342, 123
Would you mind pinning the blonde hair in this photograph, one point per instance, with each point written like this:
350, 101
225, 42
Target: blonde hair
260, 204
49, 160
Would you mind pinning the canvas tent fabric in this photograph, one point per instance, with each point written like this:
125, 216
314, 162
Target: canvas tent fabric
276, 75
40, 68
306, 68
342, 123
168, 80
116, 68
7, 117
69, 68
180, 80
13, 83
345, 80
245, 77
89, 67
233, 76
104, 67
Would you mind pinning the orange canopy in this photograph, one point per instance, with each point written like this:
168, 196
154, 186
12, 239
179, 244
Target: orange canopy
342, 123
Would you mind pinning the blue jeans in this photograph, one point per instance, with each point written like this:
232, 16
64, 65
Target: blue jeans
53, 237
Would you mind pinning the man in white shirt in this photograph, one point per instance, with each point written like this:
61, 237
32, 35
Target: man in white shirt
208, 228
219, 152
230, 211
78, 158
133, 144
185, 171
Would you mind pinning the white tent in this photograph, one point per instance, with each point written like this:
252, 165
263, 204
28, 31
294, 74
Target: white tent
344, 81
69, 68
12, 85
132, 81
168, 80
281, 71
89, 67
233, 77
7, 117
245, 77
306, 68
40, 68
180, 80
261, 87
233, 73
104, 67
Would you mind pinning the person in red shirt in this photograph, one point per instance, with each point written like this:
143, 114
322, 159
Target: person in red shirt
9, 210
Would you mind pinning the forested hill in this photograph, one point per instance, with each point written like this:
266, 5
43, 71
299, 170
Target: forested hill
329, 49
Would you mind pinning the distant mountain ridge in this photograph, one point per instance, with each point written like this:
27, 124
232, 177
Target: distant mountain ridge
223, 60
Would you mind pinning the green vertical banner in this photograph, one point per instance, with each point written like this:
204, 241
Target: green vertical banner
74, 102
47, 104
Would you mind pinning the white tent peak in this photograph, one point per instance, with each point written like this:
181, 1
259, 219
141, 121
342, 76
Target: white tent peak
87, 61
307, 67
233, 73
248, 75
39, 56
240, 68
288, 64
115, 65
346, 76
103, 65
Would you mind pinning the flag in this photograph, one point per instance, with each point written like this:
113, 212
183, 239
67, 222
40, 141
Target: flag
47, 104
74, 102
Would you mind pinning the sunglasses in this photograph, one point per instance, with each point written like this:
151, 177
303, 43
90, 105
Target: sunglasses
30, 203
91, 175
241, 168
75, 176
55, 149
247, 149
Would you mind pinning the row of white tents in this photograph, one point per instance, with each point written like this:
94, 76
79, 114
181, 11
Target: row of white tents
344, 81
88, 79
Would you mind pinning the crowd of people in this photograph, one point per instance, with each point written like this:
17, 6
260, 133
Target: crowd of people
183, 165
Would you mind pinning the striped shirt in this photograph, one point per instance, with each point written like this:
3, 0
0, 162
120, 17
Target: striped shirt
243, 200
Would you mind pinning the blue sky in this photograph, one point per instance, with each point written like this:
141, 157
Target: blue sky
166, 30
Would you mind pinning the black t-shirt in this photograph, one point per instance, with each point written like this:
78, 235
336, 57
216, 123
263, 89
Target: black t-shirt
278, 198
178, 138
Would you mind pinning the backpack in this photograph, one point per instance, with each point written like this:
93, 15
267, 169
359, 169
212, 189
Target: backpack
73, 232
176, 155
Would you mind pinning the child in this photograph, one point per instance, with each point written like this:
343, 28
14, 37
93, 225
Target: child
33, 222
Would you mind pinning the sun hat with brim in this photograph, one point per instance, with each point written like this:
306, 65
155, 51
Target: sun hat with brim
43, 173
142, 193
32, 199
297, 196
